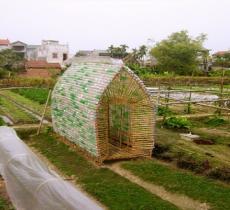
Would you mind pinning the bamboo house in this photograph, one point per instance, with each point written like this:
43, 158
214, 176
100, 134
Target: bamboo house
101, 106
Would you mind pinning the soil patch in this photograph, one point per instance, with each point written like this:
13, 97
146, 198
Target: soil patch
203, 141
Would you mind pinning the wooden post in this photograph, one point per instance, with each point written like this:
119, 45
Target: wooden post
44, 112
221, 91
189, 104
190, 94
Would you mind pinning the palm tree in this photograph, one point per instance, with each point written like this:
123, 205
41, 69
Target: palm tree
142, 52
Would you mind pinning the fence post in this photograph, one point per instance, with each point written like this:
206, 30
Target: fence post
44, 112
221, 91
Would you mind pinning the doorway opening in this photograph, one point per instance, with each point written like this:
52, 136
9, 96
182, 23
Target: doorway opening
119, 125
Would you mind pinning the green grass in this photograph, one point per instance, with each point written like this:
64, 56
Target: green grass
30, 104
197, 187
14, 113
4, 205
114, 191
172, 139
35, 94
2, 122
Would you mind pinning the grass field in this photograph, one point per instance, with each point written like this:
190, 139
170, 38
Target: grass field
17, 115
174, 180
35, 94
114, 191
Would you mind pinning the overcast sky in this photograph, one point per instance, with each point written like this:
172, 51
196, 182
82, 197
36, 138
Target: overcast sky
96, 24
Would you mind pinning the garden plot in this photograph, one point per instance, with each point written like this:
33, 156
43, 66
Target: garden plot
29, 104
112, 190
199, 188
15, 114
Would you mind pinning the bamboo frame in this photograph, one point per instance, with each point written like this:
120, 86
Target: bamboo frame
140, 132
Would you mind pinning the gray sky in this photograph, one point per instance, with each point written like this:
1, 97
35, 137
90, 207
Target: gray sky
96, 24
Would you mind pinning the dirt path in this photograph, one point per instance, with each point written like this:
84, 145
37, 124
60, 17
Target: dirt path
181, 201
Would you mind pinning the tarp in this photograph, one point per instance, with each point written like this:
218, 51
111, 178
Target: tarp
31, 185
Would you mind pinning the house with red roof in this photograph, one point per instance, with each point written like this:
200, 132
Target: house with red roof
35, 68
4, 44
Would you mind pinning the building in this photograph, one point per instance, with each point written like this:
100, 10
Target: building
41, 69
32, 52
20, 48
101, 106
4, 44
53, 52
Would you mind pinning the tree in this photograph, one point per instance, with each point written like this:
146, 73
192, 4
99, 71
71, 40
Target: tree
179, 53
11, 61
142, 52
118, 52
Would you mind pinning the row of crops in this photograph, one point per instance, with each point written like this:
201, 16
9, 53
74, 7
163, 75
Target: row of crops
17, 104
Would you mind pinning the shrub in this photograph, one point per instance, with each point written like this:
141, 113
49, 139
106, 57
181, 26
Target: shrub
222, 173
3, 73
215, 121
177, 123
163, 111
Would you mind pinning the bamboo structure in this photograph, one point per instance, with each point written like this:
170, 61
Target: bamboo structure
104, 108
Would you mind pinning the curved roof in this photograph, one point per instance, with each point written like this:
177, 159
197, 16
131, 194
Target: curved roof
77, 94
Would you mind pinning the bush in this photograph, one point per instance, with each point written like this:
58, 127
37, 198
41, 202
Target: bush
177, 123
142, 70
215, 121
163, 111
3, 73
218, 73
222, 173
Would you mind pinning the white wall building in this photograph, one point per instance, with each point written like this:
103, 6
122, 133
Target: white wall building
53, 52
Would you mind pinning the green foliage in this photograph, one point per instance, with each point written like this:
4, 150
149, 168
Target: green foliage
11, 61
141, 70
2, 122
222, 60
4, 204
27, 82
14, 113
31, 105
215, 121
163, 111
3, 73
218, 73
197, 187
179, 53
177, 123
35, 94
118, 52
114, 191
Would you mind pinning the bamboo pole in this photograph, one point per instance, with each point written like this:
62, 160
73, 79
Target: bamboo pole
177, 101
221, 91
44, 112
